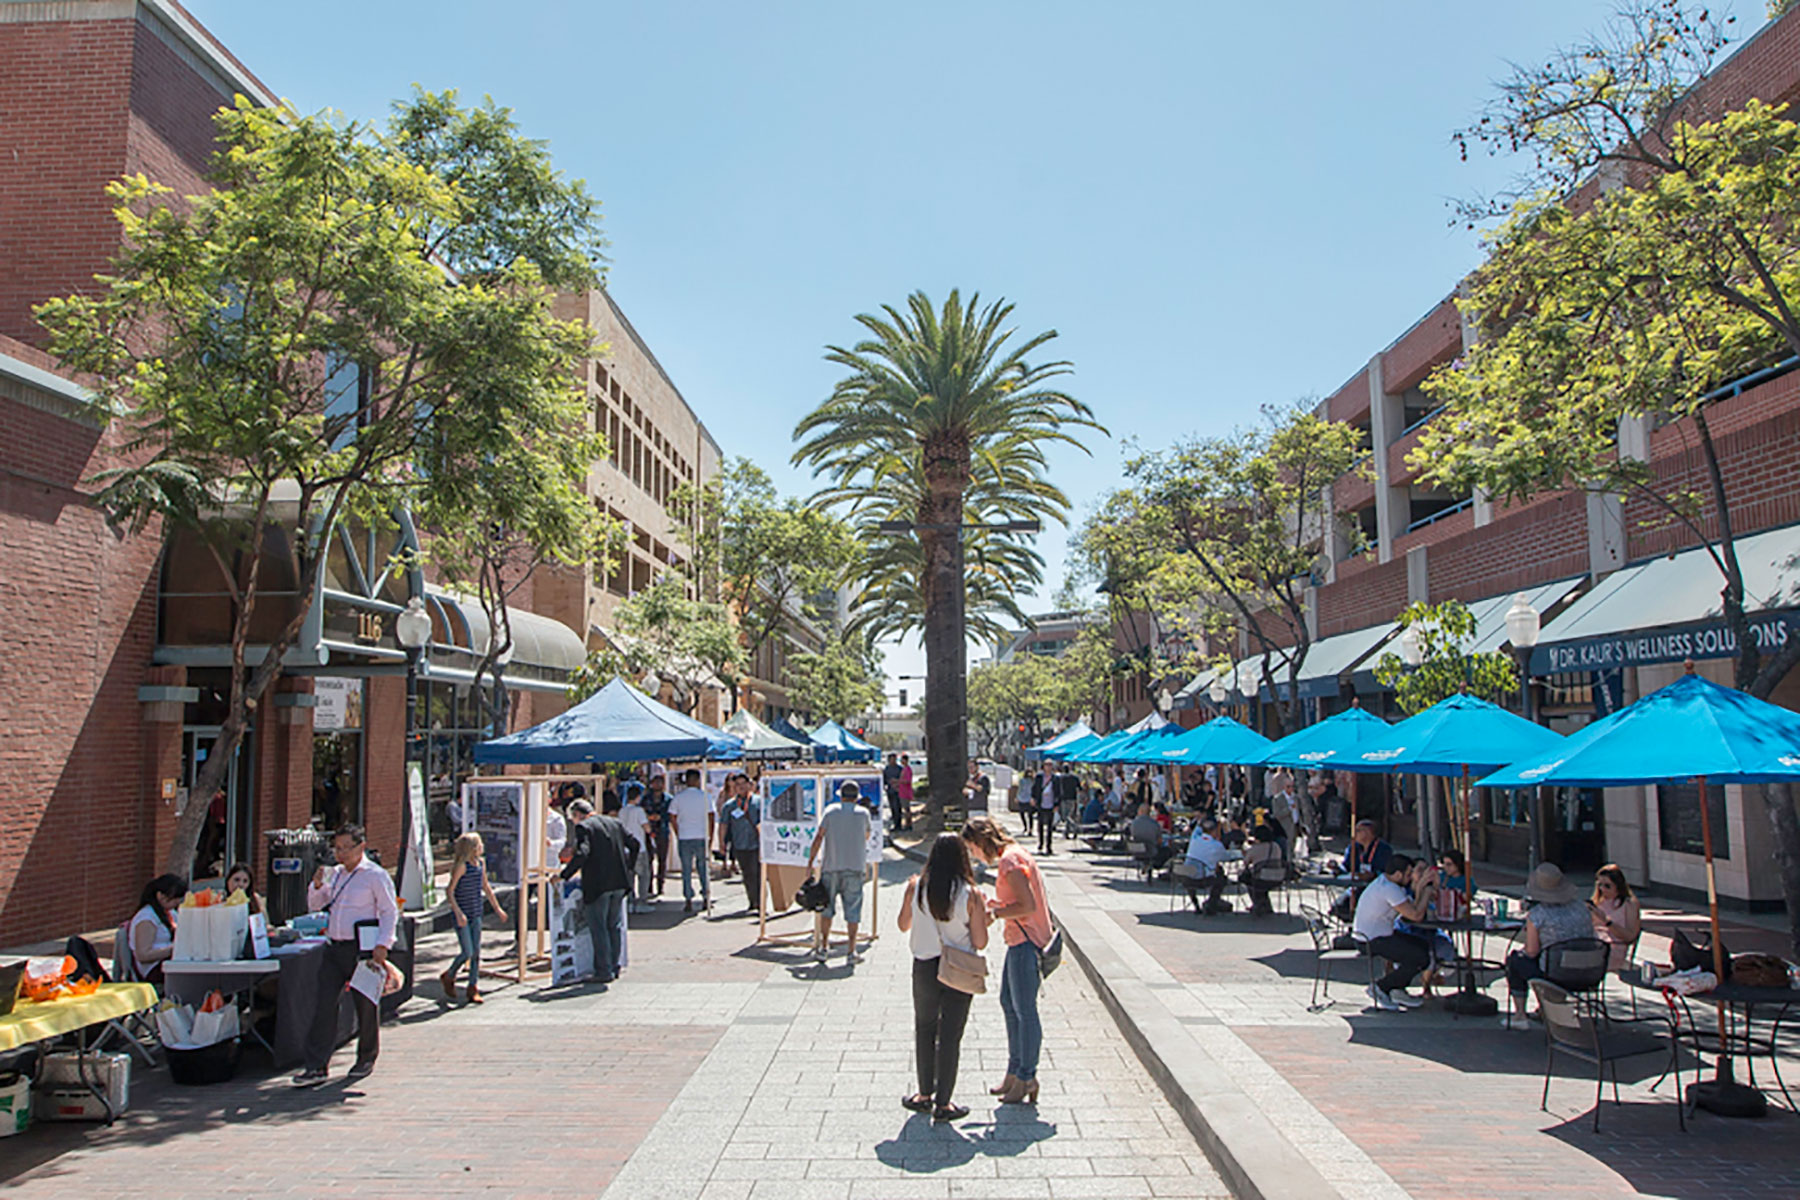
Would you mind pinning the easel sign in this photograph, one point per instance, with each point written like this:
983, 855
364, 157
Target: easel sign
791, 804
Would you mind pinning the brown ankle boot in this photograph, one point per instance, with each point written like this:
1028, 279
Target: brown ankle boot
474, 996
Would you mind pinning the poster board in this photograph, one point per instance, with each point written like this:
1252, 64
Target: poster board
495, 808
418, 874
791, 803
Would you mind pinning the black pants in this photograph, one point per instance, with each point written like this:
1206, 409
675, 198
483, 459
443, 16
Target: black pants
901, 809
659, 854
1025, 811
750, 867
1521, 969
334, 973
1215, 890
939, 1014
1409, 954
1046, 829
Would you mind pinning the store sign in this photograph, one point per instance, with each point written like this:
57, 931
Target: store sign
1700, 640
337, 704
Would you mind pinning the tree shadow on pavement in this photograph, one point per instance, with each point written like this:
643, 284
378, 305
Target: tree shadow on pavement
923, 1146
1641, 1141
1239, 921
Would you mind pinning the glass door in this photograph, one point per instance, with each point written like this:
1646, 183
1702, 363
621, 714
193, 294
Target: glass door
225, 838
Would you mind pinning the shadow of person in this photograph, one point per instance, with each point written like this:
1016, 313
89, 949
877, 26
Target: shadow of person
923, 1146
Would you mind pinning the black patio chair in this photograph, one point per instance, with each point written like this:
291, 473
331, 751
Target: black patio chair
1567, 1030
1324, 954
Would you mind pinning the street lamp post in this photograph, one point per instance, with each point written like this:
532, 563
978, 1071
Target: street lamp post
1523, 623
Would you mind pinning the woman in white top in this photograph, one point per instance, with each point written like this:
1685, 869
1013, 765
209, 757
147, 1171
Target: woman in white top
942, 905
151, 931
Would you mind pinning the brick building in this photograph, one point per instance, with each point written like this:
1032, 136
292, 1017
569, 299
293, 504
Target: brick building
1622, 604
112, 652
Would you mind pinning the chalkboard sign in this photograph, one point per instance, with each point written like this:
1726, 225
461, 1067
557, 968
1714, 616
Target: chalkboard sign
1678, 818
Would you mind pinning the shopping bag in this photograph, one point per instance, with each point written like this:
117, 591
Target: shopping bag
215, 1026
230, 930
193, 933
175, 1025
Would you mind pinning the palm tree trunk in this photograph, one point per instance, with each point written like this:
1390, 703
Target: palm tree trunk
946, 651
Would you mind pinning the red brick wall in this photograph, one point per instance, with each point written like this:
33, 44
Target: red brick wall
1760, 462
1351, 402
1531, 544
64, 101
1437, 338
171, 128
1368, 597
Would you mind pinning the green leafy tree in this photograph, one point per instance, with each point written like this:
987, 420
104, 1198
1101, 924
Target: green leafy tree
220, 341
839, 682
946, 395
665, 633
1018, 697
1084, 677
1652, 258
1446, 666
1247, 514
767, 558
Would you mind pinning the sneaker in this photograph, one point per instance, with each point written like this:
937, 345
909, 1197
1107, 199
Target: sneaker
1514, 1024
1381, 999
818, 954
306, 1079
1403, 1001
360, 1071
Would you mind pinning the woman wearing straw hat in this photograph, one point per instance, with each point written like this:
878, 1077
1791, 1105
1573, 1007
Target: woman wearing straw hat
1558, 914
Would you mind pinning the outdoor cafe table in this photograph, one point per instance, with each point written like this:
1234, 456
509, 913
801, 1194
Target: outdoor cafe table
1737, 1000
32, 1022
1469, 998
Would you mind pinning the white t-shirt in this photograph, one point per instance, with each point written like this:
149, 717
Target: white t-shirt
928, 933
690, 808
160, 938
1375, 910
635, 820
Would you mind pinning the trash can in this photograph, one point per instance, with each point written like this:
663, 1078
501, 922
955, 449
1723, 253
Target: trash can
294, 854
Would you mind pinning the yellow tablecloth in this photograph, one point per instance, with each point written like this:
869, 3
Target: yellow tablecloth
29, 1022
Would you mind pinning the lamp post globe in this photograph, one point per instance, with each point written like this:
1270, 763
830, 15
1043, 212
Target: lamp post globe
1410, 649
1523, 623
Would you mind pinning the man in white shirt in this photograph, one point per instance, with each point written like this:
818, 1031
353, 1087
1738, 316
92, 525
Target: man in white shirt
1206, 854
692, 816
637, 827
1385, 899
356, 892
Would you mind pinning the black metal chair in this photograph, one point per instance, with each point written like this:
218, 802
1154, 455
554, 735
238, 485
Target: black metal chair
1324, 954
1567, 1030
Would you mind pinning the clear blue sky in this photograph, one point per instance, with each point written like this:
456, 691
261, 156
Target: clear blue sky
1218, 206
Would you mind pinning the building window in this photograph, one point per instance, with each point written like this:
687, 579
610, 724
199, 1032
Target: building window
1678, 819
337, 751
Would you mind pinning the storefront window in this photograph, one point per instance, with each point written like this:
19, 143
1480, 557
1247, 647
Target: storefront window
337, 751
455, 722
1678, 819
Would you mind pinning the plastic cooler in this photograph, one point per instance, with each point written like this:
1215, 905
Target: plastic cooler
60, 1094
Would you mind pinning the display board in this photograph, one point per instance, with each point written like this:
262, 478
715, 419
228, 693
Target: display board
791, 803
494, 809
418, 878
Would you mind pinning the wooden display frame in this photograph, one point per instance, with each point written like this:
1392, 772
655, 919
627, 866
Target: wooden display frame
868, 931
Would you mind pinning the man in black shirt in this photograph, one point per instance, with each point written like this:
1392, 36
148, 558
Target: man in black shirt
976, 790
597, 850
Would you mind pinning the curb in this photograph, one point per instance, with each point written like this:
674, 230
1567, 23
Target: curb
1252, 1156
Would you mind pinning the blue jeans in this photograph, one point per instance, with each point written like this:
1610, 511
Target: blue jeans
1019, 982
693, 854
602, 914
468, 949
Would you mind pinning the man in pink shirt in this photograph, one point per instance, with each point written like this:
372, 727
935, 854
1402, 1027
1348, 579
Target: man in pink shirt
356, 893
903, 810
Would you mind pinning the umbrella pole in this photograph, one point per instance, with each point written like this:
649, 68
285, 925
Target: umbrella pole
1722, 1094
1469, 1000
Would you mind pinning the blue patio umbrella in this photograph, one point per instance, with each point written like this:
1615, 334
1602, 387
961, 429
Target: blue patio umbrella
1064, 752
1220, 740
1142, 747
1695, 730
1092, 753
1077, 732
1328, 742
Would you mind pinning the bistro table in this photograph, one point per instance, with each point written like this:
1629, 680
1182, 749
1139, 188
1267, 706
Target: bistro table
36, 1022
1737, 999
1469, 998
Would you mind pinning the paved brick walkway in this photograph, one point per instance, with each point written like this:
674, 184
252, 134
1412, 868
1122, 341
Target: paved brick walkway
714, 1069
1421, 1103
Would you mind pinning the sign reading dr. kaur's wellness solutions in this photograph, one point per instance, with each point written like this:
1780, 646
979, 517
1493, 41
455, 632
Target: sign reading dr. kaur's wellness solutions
1678, 643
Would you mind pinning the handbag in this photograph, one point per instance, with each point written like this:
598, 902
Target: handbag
1050, 957
1759, 970
961, 970
812, 895
1686, 953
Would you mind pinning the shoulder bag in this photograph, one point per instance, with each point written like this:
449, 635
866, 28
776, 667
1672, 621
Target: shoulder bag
1050, 954
958, 969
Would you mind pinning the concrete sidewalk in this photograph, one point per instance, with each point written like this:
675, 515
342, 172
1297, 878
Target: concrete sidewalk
1383, 1104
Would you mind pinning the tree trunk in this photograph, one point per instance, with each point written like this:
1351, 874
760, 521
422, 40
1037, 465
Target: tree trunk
946, 651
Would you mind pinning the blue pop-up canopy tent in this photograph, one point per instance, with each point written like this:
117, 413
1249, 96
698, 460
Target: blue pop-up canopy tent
842, 745
618, 723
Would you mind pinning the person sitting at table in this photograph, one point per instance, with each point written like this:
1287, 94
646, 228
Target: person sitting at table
1265, 869
1094, 811
1234, 835
1146, 829
239, 879
1383, 904
1368, 854
1164, 817
1557, 914
1453, 871
1616, 915
150, 934
1206, 855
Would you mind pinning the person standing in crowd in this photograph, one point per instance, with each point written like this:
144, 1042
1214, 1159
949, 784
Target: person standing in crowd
150, 933
1019, 901
1029, 795
977, 789
597, 850
1386, 901
656, 811
740, 837
942, 907
903, 809
1047, 799
843, 835
354, 893
636, 823
890, 786
692, 820
470, 894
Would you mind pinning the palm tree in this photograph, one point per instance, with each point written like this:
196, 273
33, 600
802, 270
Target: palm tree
945, 398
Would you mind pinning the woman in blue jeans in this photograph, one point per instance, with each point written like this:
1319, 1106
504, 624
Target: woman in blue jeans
468, 882
1019, 902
